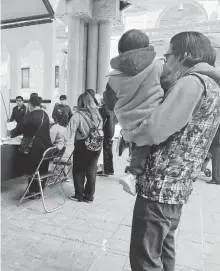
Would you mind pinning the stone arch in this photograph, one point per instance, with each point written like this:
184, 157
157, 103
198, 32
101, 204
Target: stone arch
193, 3
32, 57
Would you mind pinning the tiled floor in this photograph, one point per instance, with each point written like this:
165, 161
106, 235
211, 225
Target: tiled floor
95, 237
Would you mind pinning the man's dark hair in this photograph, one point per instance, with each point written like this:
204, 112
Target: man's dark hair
33, 94
194, 47
63, 97
19, 98
34, 101
133, 39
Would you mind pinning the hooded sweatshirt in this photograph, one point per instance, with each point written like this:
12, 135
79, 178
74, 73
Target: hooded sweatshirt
134, 85
180, 104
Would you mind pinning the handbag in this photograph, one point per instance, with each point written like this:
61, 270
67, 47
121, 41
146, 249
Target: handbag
27, 143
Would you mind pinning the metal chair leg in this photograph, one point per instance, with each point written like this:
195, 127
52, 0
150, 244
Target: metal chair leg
43, 200
27, 189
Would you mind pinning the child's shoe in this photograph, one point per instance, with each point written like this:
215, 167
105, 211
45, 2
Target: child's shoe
129, 183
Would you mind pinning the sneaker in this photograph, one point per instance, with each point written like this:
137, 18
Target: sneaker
129, 183
87, 200
75, 198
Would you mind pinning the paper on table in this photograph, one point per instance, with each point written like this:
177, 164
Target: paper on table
11, 125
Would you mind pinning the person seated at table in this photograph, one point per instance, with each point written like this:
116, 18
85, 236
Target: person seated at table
35, 124
19, 110
58, 135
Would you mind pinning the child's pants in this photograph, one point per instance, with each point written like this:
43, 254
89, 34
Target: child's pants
138, 159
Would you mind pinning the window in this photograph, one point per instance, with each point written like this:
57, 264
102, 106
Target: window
57, 72
25, 77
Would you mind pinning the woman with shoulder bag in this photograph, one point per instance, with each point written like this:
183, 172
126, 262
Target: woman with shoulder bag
36, 139
85, 129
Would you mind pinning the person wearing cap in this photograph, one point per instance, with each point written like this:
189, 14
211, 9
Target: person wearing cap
62, 112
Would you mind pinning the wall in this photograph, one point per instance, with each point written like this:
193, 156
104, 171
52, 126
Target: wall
37, 48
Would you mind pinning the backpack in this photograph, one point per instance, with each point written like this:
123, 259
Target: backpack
95, 138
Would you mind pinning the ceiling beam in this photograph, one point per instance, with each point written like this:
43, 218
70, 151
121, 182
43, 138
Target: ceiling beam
25, 19
49, 8
27, 23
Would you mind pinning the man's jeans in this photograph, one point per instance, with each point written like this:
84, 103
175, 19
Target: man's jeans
152, 246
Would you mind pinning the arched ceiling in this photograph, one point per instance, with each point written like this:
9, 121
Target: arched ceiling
179, 15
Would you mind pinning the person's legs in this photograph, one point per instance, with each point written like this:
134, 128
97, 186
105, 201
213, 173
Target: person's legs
79, 181
168, 250
91, 175
105, 155
80, 161
150, 227
108, 156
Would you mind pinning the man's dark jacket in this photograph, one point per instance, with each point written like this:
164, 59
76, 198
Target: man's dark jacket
109, 121
18, 113
62, 114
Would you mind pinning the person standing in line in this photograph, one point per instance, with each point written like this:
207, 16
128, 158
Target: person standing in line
84, 159
109, 131
19, 110
62, 112
215, 151
181, 131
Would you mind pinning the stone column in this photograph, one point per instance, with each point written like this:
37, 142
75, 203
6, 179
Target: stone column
62, 74
92, 56
15, 73
85, 50
81, 57
49, 68
73, 59
103, 55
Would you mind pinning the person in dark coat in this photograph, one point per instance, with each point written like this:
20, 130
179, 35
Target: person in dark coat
19, 110
109, 121
62, 112
28, 127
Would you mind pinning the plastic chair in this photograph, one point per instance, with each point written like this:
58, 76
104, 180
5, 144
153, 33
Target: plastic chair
50, 154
